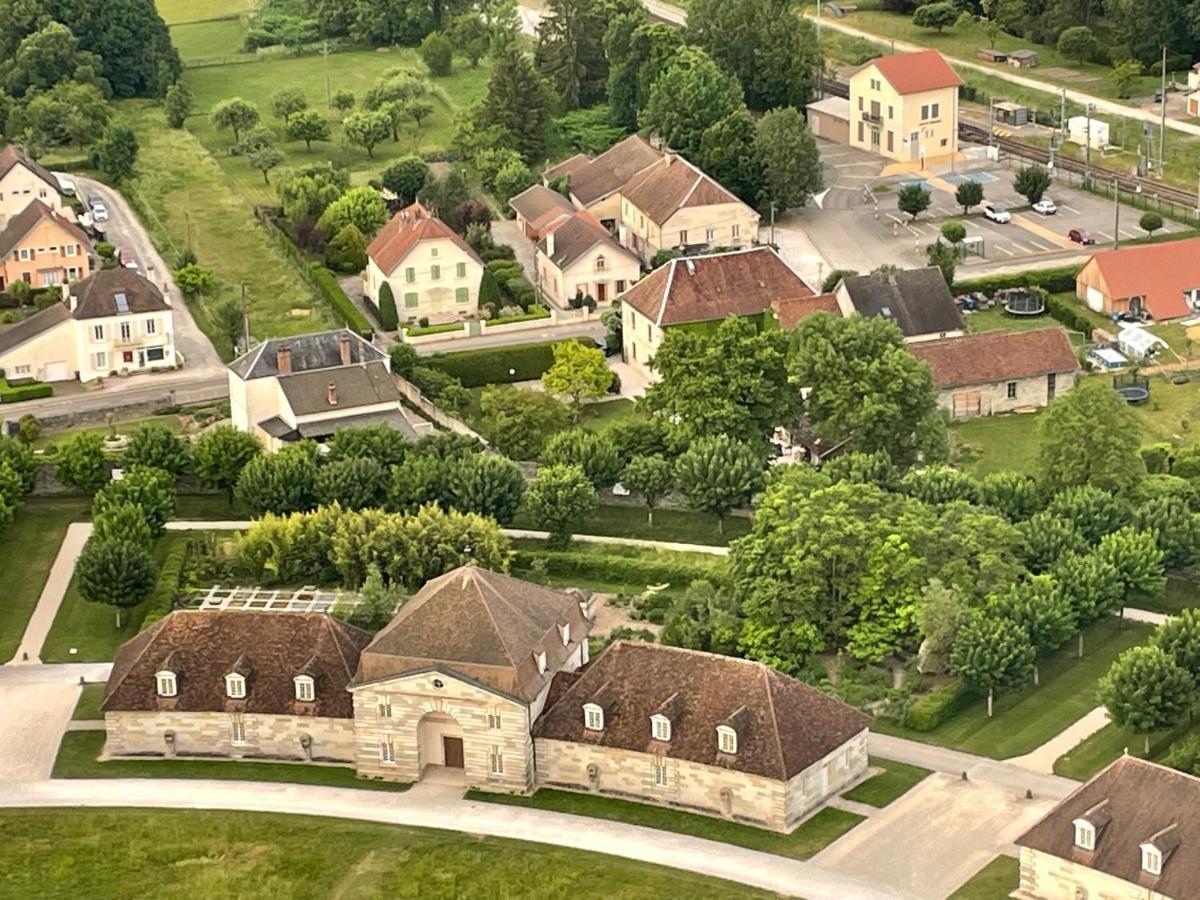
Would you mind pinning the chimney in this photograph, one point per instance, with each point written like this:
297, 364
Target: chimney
344, 347
331, 395
283, 359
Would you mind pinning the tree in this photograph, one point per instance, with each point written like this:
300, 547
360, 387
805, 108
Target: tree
728, 153
194, 281
969, 193
351, 483
159, 447
1090, 436
692, 95
888, 595
116, 573
718, 474
265, 158
347, 252
288, 103
405, 178
382, 443
558, 500
1032, 182
517, 102
936, 16
306, 193
342, 101
703, 617
945, 257
1092, 511
913, 199
787, 151
389, 319
1145, 690
652, 477
936, 485
121, 522
1078, 43
1176, 529
178, 104
939, 614
308, 125
236, 115
513, 179
366, 129
1039, 607
595, 453
149, 489
1179, 636
116, 153
1124, 76
519, 422
418, 110
569, 52
638, 51
486, 484
1150, 222
954, 232
1137, 560
579, 372
220, 455
470, 37
228, 322
280, 483
992, 653
361, 207
16, 455
377, 603
437, 53
81, 463
1090, 585
1046, 537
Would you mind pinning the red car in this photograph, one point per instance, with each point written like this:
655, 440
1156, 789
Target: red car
1081, 236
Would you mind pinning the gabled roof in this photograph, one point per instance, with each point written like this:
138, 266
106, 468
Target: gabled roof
575, 236
201, 648
308, 393
487, 626
705, 288
672, 184
612, 169
996, 356
1133, 802
917, 300
28, 218
115, 292
541, 207
38, 323
319, 350
568, 166
1159, 273
13, 155
783, 726
407, 228
914, 73
790, 310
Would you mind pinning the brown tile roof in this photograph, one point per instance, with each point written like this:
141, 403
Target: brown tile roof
1159, 273
917, 300
11, 155
36, 324
575, 236
789, 311
672, 184
783, 725
568, 166
612, 169
480, 624
25, 221
307, 393
99, 295
203, 647
704, 288
408, 228
913, 73
996, 356
541, 207
1132, 802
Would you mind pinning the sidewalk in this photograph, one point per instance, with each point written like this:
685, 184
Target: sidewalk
1043, 758
52, 594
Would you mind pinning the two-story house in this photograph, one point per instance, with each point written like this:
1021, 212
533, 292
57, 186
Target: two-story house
905, 107
433, 273
595, 184
918, 301
22, 181
578, 257
42, 248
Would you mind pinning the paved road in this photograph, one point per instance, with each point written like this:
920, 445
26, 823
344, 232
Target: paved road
593, 330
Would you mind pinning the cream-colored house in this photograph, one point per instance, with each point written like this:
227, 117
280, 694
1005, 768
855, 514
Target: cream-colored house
114, 322
434, 274
595, 184
22, 181
312, 385
43, 248
905, 107
578, 257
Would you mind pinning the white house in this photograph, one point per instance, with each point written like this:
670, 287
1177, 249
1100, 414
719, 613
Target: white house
22, 181
578, 256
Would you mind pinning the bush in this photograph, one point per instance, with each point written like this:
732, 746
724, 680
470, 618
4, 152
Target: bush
1067, 315
388, 317
612, 566
935, 708
342, 305
347, 252
166, 586
1056, 281
496, 365
1158, 458
35, 391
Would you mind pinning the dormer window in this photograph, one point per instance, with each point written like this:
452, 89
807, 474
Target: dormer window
235, 686
168, 686
1152, 860
1085, 835
565, 631
660, 727
306, 689
593, 717
726, 739
541, 662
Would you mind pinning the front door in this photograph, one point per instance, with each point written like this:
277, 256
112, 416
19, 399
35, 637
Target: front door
601, 292
452, 749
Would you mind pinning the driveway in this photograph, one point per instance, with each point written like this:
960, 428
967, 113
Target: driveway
33, 718
507, 231
594, 330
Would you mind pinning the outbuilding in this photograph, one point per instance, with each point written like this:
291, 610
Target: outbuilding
830, 119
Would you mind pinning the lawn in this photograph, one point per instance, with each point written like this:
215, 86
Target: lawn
996, 319
1180, 593
991, 443
995, 881
88, 707
54, 438
1171, 413
616, 569
684, 526
806, 840
598, 416
896, 780
216, 38
1026, 719
254, 856
206, 508
1093, 754
176, 11
26, 554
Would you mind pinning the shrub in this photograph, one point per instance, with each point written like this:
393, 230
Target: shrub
1056, 281
345, 309
496, 365
388, 318
347, 252
1068, 316
611, 566
936, 707
35, 391
166, 586
437, 53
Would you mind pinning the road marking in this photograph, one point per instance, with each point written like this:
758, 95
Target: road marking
1042, 246
1000, 249
1070, 209
1107, 237
1128, 234
1020, 247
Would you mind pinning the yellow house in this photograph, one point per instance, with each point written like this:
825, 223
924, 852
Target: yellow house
579, 256
905, 107
22, 181
40, 247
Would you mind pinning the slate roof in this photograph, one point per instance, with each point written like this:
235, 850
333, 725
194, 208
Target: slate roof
201, 648
97, 295
914, 73
12, 155
672, 184
482, 625
36, 324
783, 725
319, 350
1159, 273
541, 207
307, 393
790, 310
917, 300
612, 169
25, 221
1131, 802
575, 236
408, 228
704, 288
394, 419
996, 356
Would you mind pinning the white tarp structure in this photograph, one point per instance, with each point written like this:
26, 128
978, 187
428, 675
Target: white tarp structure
1138, 343
1077, 131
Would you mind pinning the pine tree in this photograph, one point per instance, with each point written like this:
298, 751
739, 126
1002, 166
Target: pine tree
517, 102
569, 52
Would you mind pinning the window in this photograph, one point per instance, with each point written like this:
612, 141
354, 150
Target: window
1012, 390
860, 103
710, 235
1085, 835
860, 131
493, 720
541, 662
737, 231
237, 730
385, 707
565, 631
167, 685
42, 193
410, 300
593, 717
410, 275
601, 263
70, 249
435, 273
649, 336
305, 689
683, 238
156, 354
97, 332
726, 739
943, 142
460, 270
99, 361
433, 252
934, 109
620, 285
1151, 859
387, 751
235, 686
660, 774
24, 254
462, 295
924, 111
126, 331
660, 727
150, 326
891, 113
496, 761
21, 370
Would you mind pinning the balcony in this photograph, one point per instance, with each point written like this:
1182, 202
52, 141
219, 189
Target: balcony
872, 118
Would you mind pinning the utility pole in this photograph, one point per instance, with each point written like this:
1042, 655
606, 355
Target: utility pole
245, 321
1087, 144
1162, 124
1062, 111
325, 53
1116, 214
772, 241
821, 57
991, 121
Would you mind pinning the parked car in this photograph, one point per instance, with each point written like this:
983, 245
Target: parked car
94, 200
126, 258
99, 212
997, 212
1081, 236
1045, 207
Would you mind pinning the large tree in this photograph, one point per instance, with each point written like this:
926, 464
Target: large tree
579, 372
117, 573
790, 162
281, 483
1040, 608
638, 51
149, 489
115, 154
1180, 637
569, 51
221, 454
486, 484
1146, 690
729, 153
688, 98
1175, 527
361, 207
1136, 558
559, 498
717, 474
650, 476
992, 653
518, 102
1090, 436
351, 483
595, 453
81, 462
518, 421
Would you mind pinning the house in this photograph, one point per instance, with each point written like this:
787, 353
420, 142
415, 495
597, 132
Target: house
538, 209
235, 683
43, 248
999, 371
1132, 831
1193, 103
705, 733
703, 289
1161, 281
905, 107
1193, 76
578, 257
672, 205
829, 118
595, 184
1023, 59
22, 181
433, 273
788, 311
290, 389
917, 300
112, 322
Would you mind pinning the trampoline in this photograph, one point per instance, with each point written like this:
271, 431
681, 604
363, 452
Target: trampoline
1018, 302
1133, 388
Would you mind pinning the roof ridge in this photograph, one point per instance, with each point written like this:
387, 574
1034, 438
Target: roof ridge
766, 674
478, 573
662, 306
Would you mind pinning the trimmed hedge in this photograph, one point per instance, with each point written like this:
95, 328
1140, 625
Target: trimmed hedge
326, 283
1056, 281
166, 585
35, 391
613, 567
1067, 315
475, 368
935, 708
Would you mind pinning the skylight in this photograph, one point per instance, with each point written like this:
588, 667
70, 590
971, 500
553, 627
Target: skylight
122, 302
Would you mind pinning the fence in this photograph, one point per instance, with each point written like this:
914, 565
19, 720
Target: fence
435, 413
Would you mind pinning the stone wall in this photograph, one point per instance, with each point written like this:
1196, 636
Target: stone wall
210, 734
1047, 877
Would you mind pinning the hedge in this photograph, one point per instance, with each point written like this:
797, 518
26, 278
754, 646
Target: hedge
15, 394
1056, 281
1067, 315
166, 585
613, 567
326, 283
475, 368
935, 708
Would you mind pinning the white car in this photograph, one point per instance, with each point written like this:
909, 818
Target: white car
1045, 207
99, 212
996, 213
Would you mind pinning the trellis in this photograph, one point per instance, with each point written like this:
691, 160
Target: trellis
308, 599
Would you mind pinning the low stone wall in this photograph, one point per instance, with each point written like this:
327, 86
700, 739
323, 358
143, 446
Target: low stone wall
210, 734
46, 483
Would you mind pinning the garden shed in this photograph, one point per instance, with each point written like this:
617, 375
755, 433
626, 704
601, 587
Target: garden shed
1023, 59
991, 54
1011, 113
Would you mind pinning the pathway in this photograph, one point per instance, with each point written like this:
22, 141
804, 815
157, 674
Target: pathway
1145, 615
1043, 758
52, 594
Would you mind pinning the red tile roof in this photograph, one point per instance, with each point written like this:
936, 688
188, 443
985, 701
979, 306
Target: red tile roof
672, 184
996, 356
408, 228
1159, 273
28, 218
913, 73
790, 310
541, 207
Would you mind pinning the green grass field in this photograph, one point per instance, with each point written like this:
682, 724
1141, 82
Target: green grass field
88, 707
216, 38
896, 780
48, 438
806, 840
1090, 756
995, 881
1180, 593
133, 853
669, 525
175, 11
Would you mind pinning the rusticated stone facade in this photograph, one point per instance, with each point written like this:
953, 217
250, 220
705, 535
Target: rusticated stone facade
713, 790
143, 733
1047, 877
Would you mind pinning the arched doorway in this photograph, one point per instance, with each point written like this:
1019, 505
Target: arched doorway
439, 743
